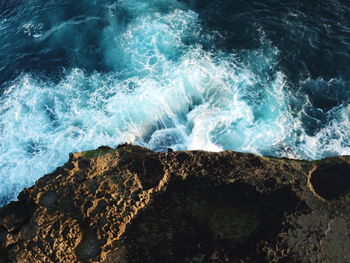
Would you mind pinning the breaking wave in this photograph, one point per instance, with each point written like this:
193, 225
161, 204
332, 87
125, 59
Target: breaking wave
154, 75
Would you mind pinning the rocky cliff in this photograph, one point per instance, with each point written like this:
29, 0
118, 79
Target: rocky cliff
131, 205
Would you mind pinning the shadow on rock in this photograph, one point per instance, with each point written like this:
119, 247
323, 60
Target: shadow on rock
196, 221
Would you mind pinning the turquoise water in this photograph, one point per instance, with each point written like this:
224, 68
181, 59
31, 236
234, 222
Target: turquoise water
263, 77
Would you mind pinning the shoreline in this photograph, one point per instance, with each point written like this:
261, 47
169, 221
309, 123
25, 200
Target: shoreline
130, 204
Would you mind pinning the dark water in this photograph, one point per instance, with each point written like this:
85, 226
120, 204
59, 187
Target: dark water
268, 77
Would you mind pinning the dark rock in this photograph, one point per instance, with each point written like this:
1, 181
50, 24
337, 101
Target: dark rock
196, 219
83, 163
3, 255
170, 150
48, 199
131, 205
89, 248
331, 181
15, 215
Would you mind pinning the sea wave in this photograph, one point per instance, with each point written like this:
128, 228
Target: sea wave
154, 75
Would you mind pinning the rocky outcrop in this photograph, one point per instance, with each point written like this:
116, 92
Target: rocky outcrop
131, 205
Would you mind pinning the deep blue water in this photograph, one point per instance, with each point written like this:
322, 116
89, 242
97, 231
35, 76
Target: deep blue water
270, 77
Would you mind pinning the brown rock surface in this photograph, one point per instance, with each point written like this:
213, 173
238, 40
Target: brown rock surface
133, 205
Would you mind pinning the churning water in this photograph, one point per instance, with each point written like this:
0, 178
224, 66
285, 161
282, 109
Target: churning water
266, 77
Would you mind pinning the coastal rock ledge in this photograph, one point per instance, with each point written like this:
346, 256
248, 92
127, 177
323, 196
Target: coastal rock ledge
130, 204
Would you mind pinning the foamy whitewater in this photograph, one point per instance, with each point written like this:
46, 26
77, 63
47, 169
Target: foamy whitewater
165, 83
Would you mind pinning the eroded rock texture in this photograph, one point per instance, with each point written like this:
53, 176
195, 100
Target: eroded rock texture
133, 205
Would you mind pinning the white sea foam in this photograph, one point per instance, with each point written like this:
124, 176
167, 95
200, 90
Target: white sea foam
331, 140
163, 93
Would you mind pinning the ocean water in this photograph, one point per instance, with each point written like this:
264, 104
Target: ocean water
268, 77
